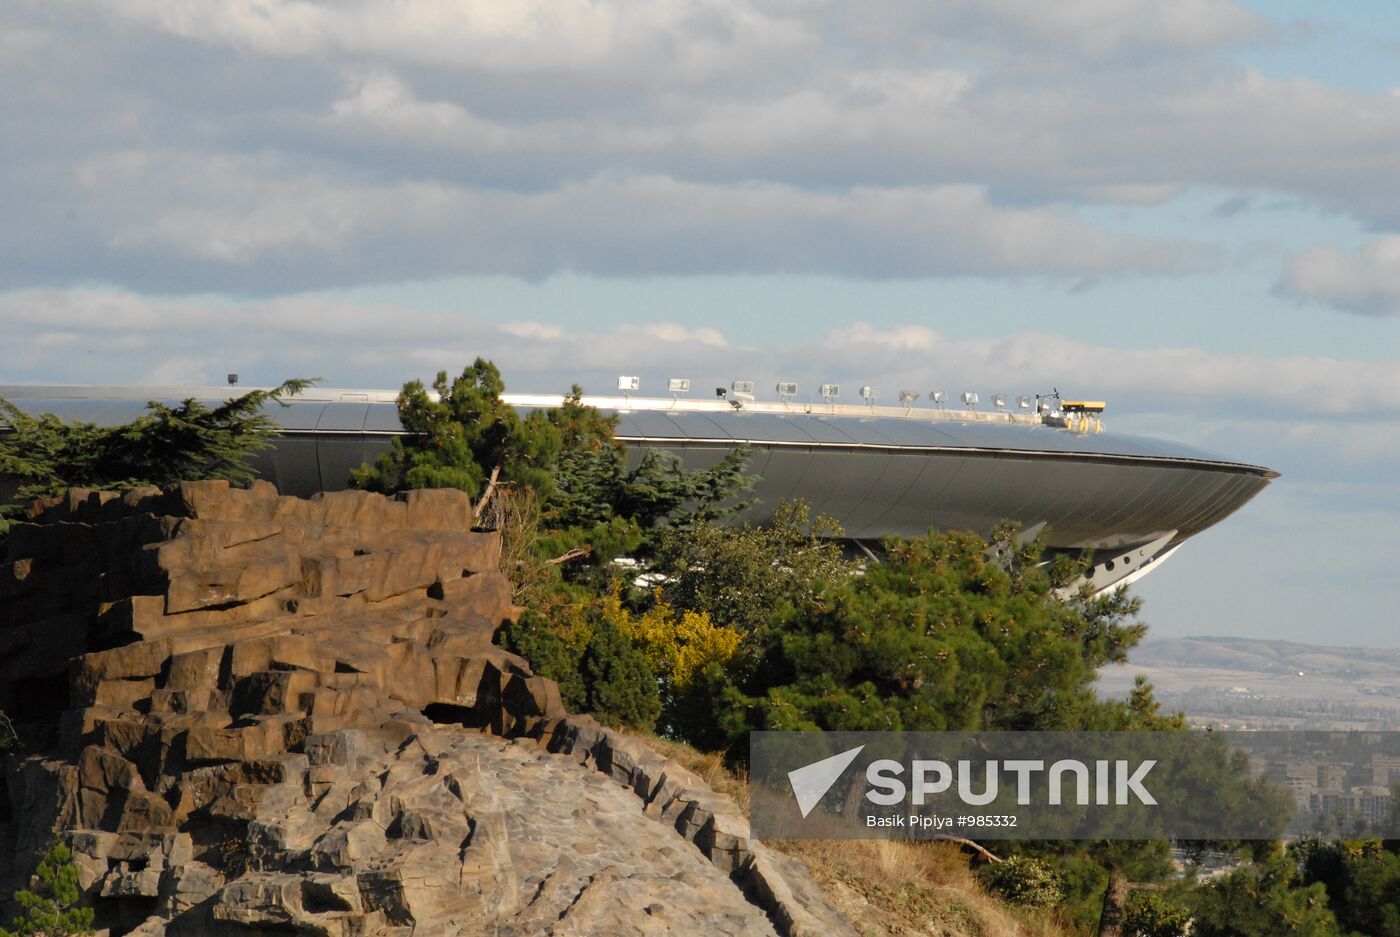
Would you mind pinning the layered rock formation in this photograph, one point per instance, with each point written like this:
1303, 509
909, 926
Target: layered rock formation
277, 715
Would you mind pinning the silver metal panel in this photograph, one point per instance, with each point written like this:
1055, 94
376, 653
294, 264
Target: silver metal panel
648, 424
691, 426
882, 512
374, 448
912, 493
1179, 508
1238, 490
977, 497
299, 415
834, 483
772, 427
101, 412
1150, 484
911, 433
343, 417
340, 442
383, 418
1060, 493
780, 479
1020, 487
866, 432
826, 430
1164, 497
298, 468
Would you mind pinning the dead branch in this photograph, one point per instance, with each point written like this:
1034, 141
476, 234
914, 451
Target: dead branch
573, 554
486, 497
981, 851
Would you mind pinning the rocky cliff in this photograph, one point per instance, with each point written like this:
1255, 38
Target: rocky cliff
257, 714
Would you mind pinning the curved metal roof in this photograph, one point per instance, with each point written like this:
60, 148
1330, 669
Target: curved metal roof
820, 430
373, 411
877, 471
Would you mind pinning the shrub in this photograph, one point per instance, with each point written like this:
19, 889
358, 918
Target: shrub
1149, 914
587, 645
1023, 880
622, 690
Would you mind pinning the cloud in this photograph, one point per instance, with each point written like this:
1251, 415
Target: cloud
255, 224
560, 34
290, 145
1365, 281
1094, 29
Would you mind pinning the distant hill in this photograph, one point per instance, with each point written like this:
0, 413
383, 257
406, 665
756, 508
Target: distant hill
1256, 683
1265, 656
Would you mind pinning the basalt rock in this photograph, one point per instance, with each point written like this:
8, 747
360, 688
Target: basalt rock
235, 686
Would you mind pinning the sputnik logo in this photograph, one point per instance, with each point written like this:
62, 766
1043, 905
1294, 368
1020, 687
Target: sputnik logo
811, 782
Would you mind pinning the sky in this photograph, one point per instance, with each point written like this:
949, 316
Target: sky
1188, 208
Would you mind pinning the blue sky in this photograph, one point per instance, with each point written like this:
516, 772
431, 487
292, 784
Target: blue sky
1188, 208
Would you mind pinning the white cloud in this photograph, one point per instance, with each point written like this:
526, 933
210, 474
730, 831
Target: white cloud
293, 131
533, 330
1365, 281
1104, 28
254, 223
511, 37
862, 336
674, 333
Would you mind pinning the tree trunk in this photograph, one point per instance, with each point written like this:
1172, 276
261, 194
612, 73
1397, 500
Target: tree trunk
1111, 920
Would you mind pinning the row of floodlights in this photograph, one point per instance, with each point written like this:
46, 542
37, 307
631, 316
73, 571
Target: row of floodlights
787, 390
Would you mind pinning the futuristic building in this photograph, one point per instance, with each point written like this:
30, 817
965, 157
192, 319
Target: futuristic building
879, 471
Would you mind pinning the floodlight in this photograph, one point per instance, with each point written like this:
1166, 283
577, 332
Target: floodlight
1024, 402
999, 401
870, 394
233, 378
907, 397
830, 392
969, 398
625, 382
742, 387
787, 389
678, 385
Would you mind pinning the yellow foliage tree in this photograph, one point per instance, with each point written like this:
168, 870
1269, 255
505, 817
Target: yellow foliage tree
675, 646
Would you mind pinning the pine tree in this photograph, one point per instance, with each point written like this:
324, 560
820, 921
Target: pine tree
45, 455
49, 907
622, 690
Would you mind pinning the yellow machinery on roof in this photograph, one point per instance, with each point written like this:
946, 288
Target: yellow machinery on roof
1082, 416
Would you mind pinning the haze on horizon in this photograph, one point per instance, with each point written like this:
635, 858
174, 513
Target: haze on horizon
1186, 208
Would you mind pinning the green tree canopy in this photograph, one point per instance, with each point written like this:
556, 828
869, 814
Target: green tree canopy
1264, 899
940, 637
1362, 879
741, 575
461, 434
41, 456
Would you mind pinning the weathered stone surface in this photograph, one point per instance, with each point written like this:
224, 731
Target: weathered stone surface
243, 747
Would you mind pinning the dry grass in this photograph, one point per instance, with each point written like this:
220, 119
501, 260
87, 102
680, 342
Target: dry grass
893, 889
886, 888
